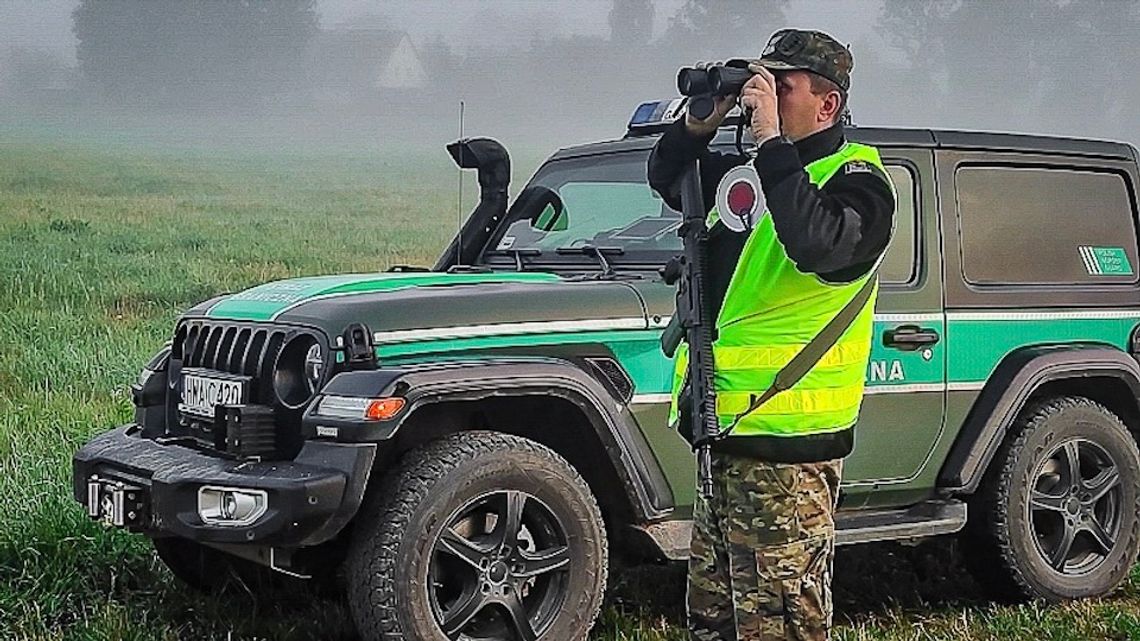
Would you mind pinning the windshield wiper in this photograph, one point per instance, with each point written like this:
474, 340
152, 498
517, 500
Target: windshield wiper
518, 255
594, 250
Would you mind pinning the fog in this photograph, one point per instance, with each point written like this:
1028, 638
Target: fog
388, 77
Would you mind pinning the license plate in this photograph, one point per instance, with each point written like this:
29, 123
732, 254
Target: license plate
115, 503
201, 394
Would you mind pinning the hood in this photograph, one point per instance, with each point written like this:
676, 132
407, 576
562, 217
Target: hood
269, 301
410, 307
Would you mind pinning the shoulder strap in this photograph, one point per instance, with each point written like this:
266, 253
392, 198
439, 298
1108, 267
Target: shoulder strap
802, 362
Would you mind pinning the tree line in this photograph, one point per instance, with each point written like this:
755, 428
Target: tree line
1050, 65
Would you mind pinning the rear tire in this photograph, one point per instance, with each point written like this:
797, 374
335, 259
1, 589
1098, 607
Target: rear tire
1056, 517
486, 535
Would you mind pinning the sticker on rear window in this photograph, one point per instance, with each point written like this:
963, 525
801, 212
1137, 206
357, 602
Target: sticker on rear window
1105, 261
506, 243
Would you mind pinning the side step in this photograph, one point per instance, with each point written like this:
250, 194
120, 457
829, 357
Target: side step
918, 521
932, 518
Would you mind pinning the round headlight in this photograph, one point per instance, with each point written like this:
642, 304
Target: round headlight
297, 372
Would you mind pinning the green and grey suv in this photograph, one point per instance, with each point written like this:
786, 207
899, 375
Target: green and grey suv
463, 449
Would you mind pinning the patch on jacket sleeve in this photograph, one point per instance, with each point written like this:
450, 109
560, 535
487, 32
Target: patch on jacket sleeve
864, 167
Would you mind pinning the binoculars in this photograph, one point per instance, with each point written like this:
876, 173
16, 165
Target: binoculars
702, 84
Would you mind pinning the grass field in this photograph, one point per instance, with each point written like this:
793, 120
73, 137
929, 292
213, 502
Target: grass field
100, 250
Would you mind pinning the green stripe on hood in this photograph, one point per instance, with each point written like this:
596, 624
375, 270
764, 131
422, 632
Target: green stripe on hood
264, 302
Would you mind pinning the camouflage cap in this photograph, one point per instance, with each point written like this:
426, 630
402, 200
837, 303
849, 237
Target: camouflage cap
813, 51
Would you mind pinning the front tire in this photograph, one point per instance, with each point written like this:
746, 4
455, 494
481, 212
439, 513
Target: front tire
478, 535
1057, 516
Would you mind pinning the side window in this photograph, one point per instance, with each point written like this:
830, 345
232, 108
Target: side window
1024, 225
900, 265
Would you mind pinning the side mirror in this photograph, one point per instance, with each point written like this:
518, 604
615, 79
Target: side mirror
544, 208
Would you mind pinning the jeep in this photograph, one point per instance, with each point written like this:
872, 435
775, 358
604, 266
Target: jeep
464, 448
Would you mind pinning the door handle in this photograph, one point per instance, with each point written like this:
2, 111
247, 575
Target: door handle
910, 338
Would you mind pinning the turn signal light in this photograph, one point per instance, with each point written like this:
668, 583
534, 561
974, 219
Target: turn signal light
359, 407
382, 409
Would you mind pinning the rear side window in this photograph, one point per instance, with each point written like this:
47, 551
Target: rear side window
900, 265
1045, 226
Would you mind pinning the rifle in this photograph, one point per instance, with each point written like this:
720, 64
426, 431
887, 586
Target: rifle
693, 321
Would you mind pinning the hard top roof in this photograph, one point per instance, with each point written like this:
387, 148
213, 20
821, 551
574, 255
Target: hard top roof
898, 137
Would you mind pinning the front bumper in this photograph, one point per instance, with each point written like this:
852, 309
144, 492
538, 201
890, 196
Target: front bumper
310, 498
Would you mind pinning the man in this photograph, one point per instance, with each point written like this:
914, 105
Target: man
762, 546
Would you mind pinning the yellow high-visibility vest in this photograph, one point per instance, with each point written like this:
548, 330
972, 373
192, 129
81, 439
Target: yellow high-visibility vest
770, 311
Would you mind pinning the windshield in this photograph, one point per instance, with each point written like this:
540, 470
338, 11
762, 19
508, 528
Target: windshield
605, 201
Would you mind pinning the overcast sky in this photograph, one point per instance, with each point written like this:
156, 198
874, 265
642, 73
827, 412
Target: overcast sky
47, 23
1006, 65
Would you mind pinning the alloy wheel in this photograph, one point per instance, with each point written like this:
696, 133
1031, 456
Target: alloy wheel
499, 569
1075, 506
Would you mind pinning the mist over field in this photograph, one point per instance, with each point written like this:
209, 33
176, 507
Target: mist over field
385, 77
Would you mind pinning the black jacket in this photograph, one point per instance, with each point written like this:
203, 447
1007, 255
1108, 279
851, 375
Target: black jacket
837, 232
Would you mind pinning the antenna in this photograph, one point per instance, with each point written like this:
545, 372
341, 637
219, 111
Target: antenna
459, 204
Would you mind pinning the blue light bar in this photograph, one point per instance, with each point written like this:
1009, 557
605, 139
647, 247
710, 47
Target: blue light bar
657, 112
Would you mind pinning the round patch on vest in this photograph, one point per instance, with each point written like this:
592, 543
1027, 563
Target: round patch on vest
739, 199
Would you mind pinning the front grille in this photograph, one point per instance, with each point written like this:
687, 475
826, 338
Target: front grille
242, 349
249, 351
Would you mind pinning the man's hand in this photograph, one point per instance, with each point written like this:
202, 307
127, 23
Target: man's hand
721, 106
759, 97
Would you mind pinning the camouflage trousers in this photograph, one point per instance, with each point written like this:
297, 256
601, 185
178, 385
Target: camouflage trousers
761, 552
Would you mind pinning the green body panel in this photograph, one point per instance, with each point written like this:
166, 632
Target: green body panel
672, 453
633, 349
921, 486
976, 346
